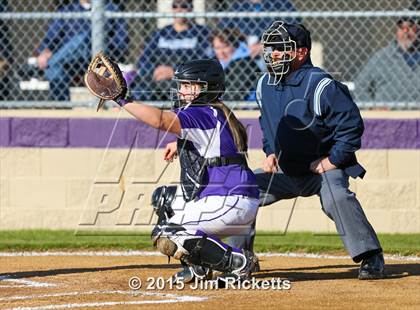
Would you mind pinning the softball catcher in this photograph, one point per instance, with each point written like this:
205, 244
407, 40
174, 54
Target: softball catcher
218, 195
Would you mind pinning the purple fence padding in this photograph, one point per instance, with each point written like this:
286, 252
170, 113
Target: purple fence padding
254, 132
39, 132
98, 133
4, 131
101, 132
391, 134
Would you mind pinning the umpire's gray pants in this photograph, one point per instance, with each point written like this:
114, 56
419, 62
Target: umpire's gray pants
338, 203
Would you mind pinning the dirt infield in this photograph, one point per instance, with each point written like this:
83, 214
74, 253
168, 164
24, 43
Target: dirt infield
58, 282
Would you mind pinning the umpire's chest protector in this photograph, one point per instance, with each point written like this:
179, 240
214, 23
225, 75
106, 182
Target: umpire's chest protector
289, 114
308, 116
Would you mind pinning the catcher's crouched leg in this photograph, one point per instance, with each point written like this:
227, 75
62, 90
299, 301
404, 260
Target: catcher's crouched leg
204, 251
169, 244
212, 253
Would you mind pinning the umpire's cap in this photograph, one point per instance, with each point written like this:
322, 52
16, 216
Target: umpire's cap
280, 31
300, 35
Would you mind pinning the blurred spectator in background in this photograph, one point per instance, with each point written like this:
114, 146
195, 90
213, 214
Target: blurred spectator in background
253, 27
241, 71
65, 50
392, 74
183, 40
256, 26
255, 51
5, 56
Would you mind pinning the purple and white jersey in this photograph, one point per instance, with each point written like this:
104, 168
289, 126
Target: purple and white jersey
206, 127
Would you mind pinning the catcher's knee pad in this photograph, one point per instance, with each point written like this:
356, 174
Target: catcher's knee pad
169, 239
171, 247
209, 252
166, 246
162, 199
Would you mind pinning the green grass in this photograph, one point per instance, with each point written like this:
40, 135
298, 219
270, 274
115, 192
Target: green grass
43, 240
403, 244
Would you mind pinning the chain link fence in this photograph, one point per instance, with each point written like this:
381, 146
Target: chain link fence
45, 46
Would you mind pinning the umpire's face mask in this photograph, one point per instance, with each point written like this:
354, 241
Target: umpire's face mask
279, 50
278, 58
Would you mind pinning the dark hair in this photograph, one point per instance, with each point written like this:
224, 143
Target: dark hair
185, 4
237, 129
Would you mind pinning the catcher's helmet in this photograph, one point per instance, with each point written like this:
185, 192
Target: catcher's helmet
282, 37
207, 72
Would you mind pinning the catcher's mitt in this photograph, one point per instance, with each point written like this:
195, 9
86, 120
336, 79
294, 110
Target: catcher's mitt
105, 80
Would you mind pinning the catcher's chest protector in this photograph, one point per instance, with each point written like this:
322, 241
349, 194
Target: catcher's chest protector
193, 169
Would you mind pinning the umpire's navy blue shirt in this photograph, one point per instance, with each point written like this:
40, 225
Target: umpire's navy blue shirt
307, 116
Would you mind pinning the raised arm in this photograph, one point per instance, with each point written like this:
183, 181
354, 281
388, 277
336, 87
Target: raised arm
154, 117
105, 80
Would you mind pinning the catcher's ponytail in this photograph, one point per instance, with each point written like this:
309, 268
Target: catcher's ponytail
238, 130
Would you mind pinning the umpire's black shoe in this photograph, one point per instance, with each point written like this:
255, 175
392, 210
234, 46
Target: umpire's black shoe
372, 268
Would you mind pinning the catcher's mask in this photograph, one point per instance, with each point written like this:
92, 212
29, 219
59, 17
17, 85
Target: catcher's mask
285, 38
208, 73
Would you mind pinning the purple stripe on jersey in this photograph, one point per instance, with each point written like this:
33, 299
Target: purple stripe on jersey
196, 117
217, 241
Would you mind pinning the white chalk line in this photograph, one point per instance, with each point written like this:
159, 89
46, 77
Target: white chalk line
98, 304
170, 298
151, 253
25, 283
324, 256
81, 253
109, 292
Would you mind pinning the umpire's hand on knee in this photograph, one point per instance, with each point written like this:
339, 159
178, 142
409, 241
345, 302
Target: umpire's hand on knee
170, 152
270, 164
321, 165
